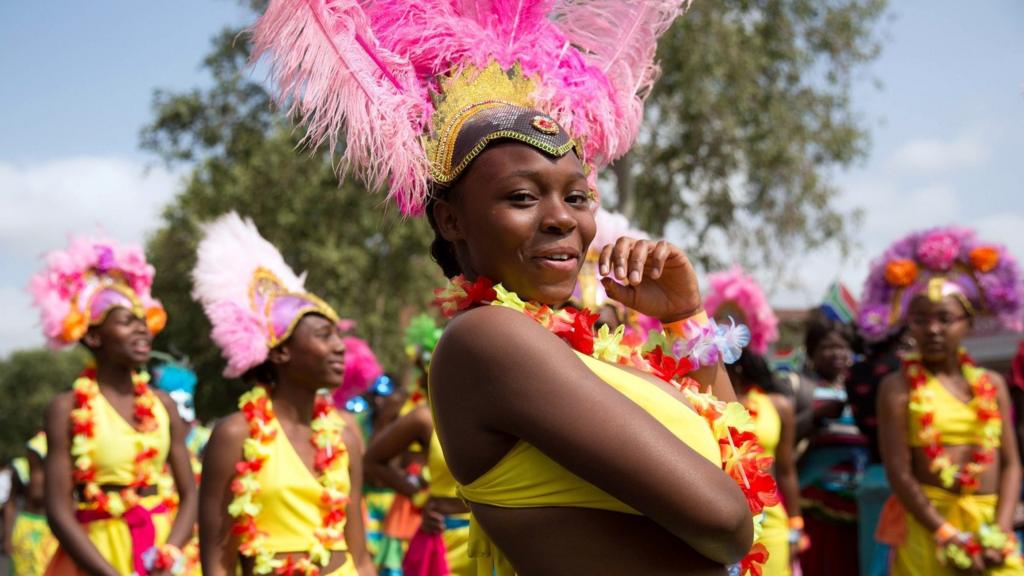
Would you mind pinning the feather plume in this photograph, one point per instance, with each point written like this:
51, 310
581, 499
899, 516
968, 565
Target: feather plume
230, 251
326, 59
361, 369
619, 38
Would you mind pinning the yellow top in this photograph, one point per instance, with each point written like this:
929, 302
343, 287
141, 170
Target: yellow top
290, 497
37, 444
767, 424
117, 442
442, 483
954, 419
526, 478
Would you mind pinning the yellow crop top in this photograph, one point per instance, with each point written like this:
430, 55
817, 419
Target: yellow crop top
954, 419
442, 483
525, 477
290, 497
767, 424
117, 443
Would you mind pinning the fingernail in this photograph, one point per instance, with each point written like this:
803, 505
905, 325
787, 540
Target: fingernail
620, 272
634, 277
603, 269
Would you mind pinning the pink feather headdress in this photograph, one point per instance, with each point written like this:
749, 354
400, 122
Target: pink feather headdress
251, 296
394, 76
361, 369
80, 285
736, 293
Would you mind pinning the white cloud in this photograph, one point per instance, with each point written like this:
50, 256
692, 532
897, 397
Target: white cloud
932, 155
45, 202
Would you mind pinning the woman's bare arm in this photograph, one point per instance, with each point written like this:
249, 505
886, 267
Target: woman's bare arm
393, 441
355, 533
218, 549
60, 501
785, 463
1009, 470
893, 397
499, 373
184, 479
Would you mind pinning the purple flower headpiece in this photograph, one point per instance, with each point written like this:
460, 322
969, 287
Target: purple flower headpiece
941, 260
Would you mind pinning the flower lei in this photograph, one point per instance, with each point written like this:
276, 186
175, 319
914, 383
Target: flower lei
960, 549
702, 345
332, 475
83, 443
986, 410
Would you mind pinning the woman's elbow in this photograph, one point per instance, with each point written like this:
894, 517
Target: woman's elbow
728, 535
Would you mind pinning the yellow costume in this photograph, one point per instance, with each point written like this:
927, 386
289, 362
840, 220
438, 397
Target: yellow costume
958, 425
115, 466
290, 496
526, 478
32, 542
456, 533
775, 528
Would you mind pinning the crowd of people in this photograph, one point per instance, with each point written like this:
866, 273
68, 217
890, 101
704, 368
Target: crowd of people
580, 406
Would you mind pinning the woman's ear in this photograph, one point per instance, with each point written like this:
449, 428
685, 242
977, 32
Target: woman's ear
92, 339
447, 219
279, 354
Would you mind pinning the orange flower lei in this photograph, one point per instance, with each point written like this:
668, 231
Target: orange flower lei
330, 465
83, 444
742, 455
986, 410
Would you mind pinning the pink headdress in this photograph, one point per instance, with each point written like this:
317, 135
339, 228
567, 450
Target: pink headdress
734, 292
83, 283
361, 369
401, 77
940, 262
253, 299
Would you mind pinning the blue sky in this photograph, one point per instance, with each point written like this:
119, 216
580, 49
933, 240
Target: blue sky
947, 130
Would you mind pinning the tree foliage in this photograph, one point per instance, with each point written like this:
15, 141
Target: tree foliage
29, 379
751, 117
369, 263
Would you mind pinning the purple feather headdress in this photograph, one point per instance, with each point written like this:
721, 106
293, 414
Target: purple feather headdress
393, 75
252, 297
941, 261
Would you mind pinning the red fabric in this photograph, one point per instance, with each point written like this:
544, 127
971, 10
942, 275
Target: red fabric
426, 556
140, 526
833, 550
1017, 368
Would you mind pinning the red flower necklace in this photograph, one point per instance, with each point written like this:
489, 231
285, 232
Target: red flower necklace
83, 444
331, 464
985, 404
742, 456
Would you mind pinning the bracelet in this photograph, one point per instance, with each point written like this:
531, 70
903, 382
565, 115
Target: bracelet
960, 550
678, 328
945, 533
415, 480
166, 557
796, 522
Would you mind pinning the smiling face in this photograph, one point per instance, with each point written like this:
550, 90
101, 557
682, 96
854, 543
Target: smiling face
522, 218
314, 355
122, 339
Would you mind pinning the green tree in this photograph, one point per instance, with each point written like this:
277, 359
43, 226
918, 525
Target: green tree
370, 264
751, 116
29, 379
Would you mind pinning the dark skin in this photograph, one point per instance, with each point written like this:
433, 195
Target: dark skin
311, 359
938, 328
119, 345
830, 361
392, 442
498, 377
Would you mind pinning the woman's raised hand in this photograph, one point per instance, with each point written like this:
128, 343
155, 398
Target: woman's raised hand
653, 278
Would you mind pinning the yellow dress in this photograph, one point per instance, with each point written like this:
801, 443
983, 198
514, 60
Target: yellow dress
958, 424
32, 542
526, 478
775, 528
114, 459
456, 533
290, 497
